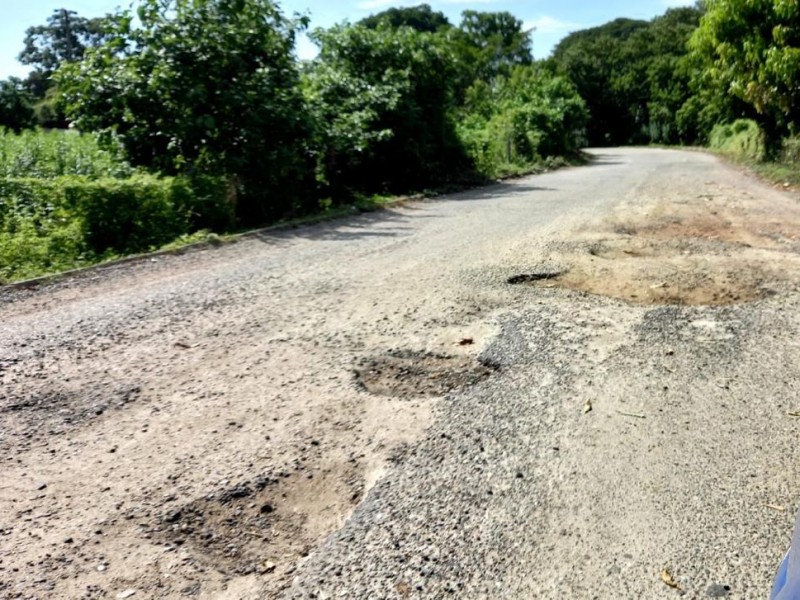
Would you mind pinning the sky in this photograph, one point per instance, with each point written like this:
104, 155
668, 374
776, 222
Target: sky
550, 19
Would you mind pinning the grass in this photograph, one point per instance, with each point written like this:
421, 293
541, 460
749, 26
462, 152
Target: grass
49, 154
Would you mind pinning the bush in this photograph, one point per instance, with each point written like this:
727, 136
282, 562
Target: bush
54, 224
742, 139
520, 121
790, 153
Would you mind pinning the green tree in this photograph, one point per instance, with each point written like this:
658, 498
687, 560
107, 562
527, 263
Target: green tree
202, 86
64, 38
422, 18
16, 110
491, 44
593, 60
634, 76
522, 119
382, 100
751, 50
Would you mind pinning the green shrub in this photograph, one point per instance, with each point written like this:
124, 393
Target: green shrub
790, 152
130, 215
38, 240
49, 225
742, 139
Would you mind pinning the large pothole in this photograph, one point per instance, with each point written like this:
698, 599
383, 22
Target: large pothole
693, 254
405, 374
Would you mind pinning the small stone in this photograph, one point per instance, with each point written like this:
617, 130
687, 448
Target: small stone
718, 591
101, 568
266, 509
269, 567
69, 540
126, 594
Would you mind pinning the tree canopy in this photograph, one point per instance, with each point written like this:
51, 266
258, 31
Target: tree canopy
421, 18
751, 50
199, 86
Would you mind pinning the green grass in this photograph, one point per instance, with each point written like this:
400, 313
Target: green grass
49, 154
742, 140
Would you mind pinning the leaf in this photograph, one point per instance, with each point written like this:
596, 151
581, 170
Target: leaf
794, 414
668, 579
587, 407
776, 507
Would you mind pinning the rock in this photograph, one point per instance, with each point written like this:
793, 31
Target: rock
718, 591
126, 594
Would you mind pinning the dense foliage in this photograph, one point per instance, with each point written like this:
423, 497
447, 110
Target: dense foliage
751, 51
633, 76
201, 87
65, 202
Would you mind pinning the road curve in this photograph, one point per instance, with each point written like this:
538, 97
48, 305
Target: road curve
190, 426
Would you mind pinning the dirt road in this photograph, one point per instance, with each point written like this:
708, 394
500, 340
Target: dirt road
575, 385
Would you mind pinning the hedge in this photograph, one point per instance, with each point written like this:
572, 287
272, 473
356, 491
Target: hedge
51, 224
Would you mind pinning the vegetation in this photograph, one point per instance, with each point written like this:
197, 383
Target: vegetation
195, 115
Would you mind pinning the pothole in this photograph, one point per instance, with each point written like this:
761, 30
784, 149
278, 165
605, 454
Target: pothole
533, 277
418, 375
691, 255
262, 525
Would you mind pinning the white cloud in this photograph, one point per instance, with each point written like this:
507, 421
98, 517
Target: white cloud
550, 25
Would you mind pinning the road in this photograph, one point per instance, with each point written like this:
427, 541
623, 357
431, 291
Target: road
367, 408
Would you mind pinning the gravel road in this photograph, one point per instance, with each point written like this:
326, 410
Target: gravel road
367, 408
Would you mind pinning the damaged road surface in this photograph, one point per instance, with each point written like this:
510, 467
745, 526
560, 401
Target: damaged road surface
576, 385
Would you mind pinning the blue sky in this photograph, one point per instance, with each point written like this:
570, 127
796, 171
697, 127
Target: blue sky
553, 19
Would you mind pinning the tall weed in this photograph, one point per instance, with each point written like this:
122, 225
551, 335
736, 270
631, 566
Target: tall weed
48, 154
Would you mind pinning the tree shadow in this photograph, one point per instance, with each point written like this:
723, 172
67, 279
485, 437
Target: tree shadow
498, 190
385, 223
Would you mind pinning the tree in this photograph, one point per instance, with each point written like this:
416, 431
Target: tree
202, 86
751, 50
64, 38
422, 18
521, 119
634, 76
593, 59
382, 100
491, 44
16, 111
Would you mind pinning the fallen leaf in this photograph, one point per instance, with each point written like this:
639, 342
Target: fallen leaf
466, 342
776, 507
794, 414
667, 578
587, 407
